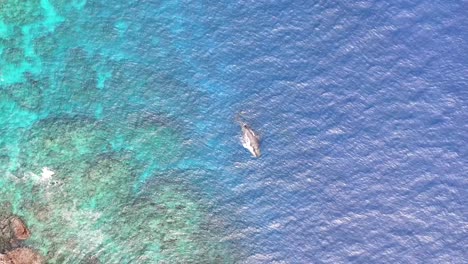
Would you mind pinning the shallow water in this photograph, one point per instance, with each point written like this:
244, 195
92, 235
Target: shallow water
119, 142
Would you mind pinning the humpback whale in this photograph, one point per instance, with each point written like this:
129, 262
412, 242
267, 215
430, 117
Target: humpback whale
250, 140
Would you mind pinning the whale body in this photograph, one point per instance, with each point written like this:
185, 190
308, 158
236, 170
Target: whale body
250, 140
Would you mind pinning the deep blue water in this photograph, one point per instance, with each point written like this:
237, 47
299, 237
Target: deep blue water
361, 107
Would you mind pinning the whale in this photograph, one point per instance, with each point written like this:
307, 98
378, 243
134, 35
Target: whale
250, 140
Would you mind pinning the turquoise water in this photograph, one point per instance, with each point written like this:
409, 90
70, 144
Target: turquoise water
95, 155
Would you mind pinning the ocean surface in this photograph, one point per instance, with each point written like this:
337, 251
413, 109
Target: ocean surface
119, 141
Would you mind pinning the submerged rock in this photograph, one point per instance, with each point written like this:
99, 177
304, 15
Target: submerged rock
13, 228
12, 231
19, 229
4, 259
24, 256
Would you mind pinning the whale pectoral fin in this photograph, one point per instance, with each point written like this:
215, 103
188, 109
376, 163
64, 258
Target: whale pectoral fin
257, 136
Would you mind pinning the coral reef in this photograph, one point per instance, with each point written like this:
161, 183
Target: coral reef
166, 222
85, 161
20, 12
27, 94
63, 144
76, 188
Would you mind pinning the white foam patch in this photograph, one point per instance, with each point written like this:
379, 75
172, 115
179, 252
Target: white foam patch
46, 174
